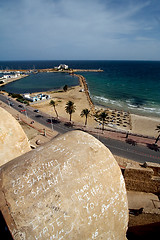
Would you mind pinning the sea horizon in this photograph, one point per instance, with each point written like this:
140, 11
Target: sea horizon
130, 85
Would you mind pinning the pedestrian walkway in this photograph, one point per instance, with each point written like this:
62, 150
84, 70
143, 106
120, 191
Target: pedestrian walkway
121, 136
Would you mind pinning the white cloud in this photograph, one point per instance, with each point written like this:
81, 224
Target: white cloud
56, 29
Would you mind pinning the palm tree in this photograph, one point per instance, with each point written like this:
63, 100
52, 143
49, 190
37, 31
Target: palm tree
102, 117
65, 88
85, 112
158, 129
70, 108
52, 103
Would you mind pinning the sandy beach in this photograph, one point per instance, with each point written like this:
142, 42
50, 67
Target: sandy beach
117, 120
144, 125
73, 94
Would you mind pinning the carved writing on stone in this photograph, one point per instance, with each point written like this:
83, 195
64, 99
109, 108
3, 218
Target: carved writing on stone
65, 192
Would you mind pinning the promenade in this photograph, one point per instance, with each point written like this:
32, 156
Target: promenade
40, 131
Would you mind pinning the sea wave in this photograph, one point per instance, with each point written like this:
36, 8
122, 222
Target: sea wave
106, 101
148, 108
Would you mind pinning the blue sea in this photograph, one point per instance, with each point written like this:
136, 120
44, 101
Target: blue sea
129, 85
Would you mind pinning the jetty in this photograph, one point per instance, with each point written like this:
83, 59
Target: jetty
17, 74
84, 85
69, 70
27, 71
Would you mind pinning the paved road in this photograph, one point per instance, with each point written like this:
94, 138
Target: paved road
137, 153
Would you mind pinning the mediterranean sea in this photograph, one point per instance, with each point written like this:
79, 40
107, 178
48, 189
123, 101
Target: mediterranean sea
132, 86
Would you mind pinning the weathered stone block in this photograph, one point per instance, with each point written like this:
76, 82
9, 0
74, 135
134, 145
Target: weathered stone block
13, 140
138, 173
154, 166
69, 188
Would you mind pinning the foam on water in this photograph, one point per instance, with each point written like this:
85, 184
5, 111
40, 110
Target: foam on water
129, 85
128, 106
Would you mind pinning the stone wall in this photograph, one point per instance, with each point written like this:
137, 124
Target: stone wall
13, 140
69, 188
142, 179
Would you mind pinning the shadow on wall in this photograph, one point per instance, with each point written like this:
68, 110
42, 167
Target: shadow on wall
149, 231
4, 231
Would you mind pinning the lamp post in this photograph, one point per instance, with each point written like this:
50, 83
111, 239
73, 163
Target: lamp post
52, 123
44, 132
9, 103
26, 113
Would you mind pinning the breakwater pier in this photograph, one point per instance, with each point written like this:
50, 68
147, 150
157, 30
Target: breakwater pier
84, 85
50, 70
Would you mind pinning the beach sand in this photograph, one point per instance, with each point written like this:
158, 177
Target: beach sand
132, 123
138, 124
144, 125
73, 94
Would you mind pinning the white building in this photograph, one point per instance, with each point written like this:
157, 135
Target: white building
36, 98
11, 76
62, 67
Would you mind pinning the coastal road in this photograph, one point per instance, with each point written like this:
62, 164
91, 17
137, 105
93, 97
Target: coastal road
137, 153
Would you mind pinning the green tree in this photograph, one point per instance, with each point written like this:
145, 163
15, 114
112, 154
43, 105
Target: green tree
65, 88
102, 117
157, 129
70, 108
52, 103
85, 112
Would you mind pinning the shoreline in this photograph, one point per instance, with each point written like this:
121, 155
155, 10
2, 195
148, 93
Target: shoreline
70, 71
10, 80
148, 115
140, 125
137, 124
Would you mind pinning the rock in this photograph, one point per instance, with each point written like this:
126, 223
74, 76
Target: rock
69, 188
13, 140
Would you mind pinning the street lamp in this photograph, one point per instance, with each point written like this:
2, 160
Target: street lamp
52, 123
9, 103
26, 113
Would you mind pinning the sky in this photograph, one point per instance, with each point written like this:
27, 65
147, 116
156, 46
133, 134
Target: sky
79, 30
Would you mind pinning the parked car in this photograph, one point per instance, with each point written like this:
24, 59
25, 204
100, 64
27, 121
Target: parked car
11, 104
48, 120
68, 124
20, 106
53, 120
36, 110
23, 110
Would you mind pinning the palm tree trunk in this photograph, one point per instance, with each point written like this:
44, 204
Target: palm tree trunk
102, 125
70, 117
157, 139
55, 111
86, 121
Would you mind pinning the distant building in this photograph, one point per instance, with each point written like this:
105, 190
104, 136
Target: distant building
36, 98
62, 67
11, 76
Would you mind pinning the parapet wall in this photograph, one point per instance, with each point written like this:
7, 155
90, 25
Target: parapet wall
69, 188
143, 179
